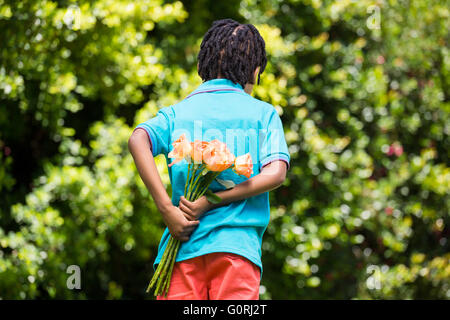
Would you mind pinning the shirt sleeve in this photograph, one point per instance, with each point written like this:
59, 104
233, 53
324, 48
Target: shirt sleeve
273, 144
158, 132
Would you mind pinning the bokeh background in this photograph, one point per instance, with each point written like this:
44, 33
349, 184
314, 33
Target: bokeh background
362, 88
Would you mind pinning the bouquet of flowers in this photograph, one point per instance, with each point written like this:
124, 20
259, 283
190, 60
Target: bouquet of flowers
206, 161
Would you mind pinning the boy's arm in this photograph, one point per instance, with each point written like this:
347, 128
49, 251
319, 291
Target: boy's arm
270, 177
139, 146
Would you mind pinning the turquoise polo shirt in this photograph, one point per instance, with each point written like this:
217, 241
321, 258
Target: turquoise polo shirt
220, 109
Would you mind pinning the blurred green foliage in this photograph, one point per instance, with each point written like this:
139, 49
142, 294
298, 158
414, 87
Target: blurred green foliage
361, 86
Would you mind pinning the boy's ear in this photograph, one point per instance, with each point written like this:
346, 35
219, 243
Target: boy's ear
197, 66
255, 74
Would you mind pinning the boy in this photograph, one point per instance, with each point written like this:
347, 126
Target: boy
220, 254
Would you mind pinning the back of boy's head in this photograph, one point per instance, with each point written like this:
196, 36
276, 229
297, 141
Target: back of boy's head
233, 51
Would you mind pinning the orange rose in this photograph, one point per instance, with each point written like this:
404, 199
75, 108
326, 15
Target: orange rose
217, 157
198, 147
243, 165
181, 149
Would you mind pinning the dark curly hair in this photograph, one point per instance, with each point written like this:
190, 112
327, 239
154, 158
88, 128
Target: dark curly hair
233, 51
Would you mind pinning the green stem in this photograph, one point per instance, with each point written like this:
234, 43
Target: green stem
160, 265
187, 179
166, 273
199, 187
164, 270
203, 184
158, 270
164, 263
191, 179
196, 183
169, 278
169, 263
213, 176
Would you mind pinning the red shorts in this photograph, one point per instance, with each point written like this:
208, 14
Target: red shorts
214, 276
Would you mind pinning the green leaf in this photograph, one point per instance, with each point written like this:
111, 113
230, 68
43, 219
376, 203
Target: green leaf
212, 197
226, 183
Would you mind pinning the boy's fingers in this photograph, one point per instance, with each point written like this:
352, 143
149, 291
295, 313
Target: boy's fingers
184, 238
188, 216
184, 208
194, 223
187, 233
191, 225
186, 202
187, 230
181, 236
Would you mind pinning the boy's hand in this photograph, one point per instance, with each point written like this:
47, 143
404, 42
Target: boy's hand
194, 209
179, 226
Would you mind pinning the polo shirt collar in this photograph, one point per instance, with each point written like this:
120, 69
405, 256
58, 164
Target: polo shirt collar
219, 83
